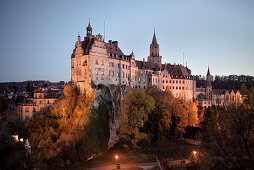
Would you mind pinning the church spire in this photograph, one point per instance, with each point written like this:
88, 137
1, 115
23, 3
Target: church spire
208, 71
154, 38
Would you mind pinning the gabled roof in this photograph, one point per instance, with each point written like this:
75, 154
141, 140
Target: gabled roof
177, 71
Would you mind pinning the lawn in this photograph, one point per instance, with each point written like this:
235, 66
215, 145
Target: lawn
169, 151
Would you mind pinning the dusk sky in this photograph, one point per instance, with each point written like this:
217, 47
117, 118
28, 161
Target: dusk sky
38, 36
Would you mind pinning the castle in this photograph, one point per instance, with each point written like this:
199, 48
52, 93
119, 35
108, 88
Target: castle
99, 62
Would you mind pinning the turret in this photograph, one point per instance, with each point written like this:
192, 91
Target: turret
89, 30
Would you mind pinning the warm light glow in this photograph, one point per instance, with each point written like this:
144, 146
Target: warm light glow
21, 139
16, 138
116, 157
194, 152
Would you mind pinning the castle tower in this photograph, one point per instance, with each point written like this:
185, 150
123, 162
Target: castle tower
154, 52
89, 30
208, 85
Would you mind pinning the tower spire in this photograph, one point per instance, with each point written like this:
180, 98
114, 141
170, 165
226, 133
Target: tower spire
154, 38
208, 71
89, 29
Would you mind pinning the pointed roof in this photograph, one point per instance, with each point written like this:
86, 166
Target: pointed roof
154, 39
89, 28
208, 71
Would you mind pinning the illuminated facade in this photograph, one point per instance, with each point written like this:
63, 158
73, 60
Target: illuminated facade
98, 62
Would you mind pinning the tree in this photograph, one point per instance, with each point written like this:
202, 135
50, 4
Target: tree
12, 154
135, 108
160, 118
193, 115
53, 134
229, 138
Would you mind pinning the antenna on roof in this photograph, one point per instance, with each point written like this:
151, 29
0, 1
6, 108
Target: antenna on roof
104, 33
183, 57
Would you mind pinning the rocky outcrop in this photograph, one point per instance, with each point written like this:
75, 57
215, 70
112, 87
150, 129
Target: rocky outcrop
111, 96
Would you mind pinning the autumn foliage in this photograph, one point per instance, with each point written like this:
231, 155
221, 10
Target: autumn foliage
59, 135
155, 116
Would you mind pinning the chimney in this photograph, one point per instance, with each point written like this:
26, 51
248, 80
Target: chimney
115, 43
110, 41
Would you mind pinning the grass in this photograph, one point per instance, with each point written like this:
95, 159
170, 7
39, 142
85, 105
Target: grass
169, 151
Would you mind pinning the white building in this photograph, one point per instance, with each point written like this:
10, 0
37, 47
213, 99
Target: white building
36, 105
99, 62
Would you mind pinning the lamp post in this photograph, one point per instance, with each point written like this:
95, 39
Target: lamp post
117, 165
116, 158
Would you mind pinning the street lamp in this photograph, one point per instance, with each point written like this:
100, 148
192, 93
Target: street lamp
117, 165
116, 158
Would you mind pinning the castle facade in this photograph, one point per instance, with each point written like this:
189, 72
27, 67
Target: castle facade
98, 62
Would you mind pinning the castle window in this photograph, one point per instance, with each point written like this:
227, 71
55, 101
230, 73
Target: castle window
170, 87
183, 81
118, 65
179, 88
123, 66
176, 81
169, 81
102, 62
173, 87
163, 82
123, 75
126, 75
173, 81
183, 88
162, 87
166, 81
96, 71
176, 87
112, 73
126, 67
48, 101
96, 62
102, 72
26, 109
179, 81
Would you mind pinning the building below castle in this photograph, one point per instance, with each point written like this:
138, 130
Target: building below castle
38, 104
98, 62
207, 96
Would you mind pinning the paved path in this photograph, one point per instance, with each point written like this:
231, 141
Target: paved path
142, 165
